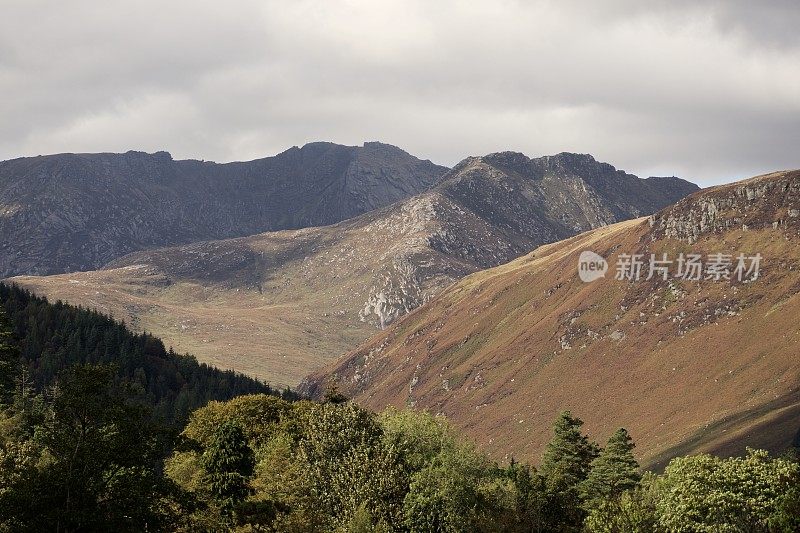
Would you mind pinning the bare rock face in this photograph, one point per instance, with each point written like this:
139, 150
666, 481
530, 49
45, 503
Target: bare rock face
764, 201
69, 212
490, 210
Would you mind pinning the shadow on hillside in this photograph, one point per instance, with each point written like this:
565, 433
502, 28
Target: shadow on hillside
772, 426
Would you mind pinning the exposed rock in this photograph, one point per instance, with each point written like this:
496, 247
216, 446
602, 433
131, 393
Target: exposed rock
330, 287
68, 212
763, 201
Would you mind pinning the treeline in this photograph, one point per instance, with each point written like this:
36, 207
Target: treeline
52, 337
88, 460
260, 464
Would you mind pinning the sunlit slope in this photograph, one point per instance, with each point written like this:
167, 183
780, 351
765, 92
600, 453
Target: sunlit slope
684, 365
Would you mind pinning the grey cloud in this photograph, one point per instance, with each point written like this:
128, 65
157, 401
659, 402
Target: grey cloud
708, 90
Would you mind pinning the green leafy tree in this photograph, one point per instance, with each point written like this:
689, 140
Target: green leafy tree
229, 462
446, 495
706, 493
530, 497
634, 512
347, 464
97, 463
786, 516
258, 416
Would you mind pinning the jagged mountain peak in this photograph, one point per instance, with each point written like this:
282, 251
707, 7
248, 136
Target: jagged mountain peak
68, 212
561, 161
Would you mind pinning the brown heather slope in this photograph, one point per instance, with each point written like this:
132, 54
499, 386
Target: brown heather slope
280, 305
683, 365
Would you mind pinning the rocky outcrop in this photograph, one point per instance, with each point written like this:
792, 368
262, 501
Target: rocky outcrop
490, 210
69, 212
772, 200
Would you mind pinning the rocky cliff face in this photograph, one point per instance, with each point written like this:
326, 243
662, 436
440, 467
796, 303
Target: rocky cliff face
772, 200
492, 209
70, 212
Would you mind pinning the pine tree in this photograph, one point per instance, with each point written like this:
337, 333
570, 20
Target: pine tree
565, 465
568, 455
9, 359
614, 471
229, 462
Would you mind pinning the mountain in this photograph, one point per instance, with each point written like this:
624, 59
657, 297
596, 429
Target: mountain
684, 365
280, 304
72, 212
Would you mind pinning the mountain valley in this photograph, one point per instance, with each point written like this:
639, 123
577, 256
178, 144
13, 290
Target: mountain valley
278, 305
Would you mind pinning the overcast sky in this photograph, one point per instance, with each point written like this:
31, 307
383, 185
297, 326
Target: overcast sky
709, 91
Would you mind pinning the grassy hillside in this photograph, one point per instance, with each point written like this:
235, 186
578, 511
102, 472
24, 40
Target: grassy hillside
684, 365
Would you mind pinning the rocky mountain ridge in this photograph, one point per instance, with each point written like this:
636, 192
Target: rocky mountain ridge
72, 212
771, 200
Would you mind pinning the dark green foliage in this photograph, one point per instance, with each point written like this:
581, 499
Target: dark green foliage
530, 497
445, 495
85, 454
564, 467
94, 461
93, 464
53, 337
229, 463
333, 395
569, 454
786, 516
9, 359
612, 474
614, 471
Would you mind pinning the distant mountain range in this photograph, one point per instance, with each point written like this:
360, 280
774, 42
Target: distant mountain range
71, 212
685, 365
280, 304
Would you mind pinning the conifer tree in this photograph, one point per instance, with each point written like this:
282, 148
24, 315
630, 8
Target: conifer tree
568, 455
9, 359
229, 462
614, 471
565, 465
